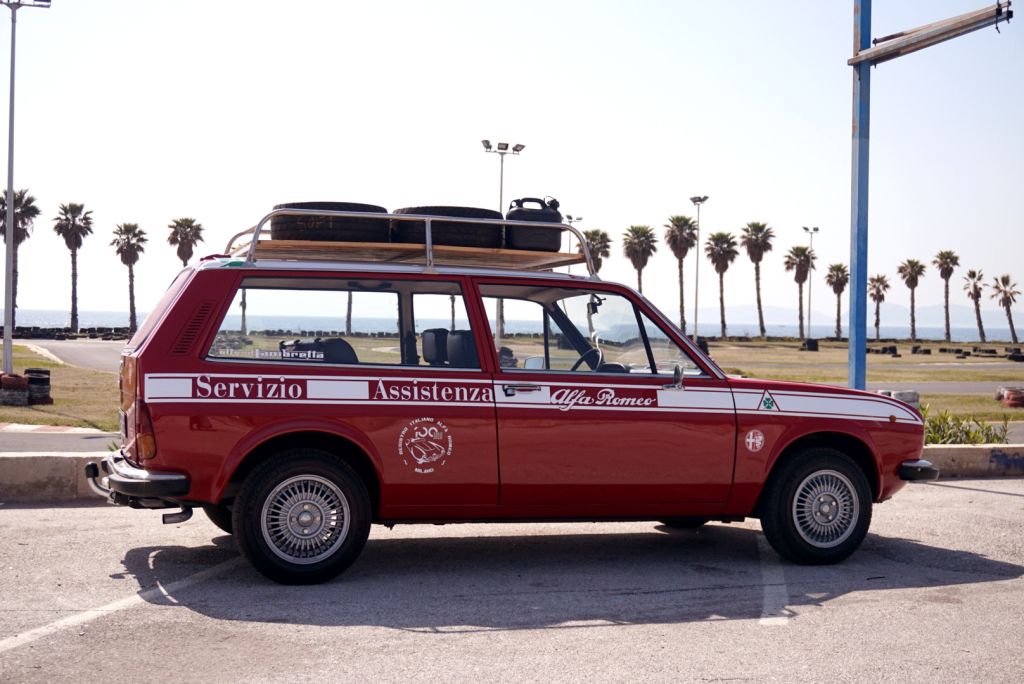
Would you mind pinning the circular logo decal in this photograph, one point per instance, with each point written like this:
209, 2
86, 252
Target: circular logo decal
754, 440
425, 444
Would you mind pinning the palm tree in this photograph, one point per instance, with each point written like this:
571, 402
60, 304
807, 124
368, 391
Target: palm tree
25, 212
128, 244
973, 286
912, 271
73, 223
757, 239
946, 261
878, 285
1007, 293
185, 233
681, 237
838, 277
721, 251
800, 259
638, 244
599, 245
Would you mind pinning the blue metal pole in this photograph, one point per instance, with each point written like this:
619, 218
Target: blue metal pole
859, 196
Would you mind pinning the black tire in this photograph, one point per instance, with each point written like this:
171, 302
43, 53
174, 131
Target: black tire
687, 523
816, 508
449, 233
330, 228
293, 484
219, 515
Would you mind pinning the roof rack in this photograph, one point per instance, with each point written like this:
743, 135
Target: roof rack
427, 253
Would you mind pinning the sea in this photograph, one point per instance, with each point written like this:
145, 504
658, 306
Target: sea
112, 319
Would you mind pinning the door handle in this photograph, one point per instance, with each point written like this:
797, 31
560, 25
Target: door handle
511, 390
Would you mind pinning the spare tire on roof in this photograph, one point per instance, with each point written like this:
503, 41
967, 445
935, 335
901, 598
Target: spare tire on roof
449, 232
330, 228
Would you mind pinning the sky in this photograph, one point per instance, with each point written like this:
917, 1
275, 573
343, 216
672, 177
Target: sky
146, 112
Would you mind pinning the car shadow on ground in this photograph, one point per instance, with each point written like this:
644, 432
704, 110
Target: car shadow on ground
544, 581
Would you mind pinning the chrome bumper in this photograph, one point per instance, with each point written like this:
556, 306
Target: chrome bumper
918, 470
119, 482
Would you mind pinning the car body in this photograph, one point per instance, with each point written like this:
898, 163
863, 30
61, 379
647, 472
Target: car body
298, 401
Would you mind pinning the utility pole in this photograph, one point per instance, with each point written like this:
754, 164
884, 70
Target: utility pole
866, 54
810, 276
697, 200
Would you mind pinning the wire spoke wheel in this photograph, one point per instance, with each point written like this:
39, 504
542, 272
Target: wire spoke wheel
305, 519
825, 509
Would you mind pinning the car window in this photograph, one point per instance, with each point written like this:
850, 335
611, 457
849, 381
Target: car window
347, 321
565, 329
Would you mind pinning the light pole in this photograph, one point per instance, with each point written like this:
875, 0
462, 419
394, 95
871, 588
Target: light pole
697, 200
8, 361
501, 150
810, 276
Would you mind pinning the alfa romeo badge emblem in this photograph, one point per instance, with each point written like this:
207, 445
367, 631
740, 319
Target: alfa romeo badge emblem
425, 444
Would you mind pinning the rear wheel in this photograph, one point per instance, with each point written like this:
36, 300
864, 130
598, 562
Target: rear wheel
817, 507
219, 515
302, 517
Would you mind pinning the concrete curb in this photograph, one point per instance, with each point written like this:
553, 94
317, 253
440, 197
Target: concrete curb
968, 460
60, 476
46, 476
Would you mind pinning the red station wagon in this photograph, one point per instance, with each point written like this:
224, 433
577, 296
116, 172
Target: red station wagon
302, 387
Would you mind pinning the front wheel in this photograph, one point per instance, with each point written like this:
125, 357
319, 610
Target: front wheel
817, 507
302, 517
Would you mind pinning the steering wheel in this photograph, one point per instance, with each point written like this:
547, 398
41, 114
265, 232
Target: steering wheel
592, 350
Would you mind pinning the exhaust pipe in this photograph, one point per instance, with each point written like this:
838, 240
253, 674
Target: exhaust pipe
181, 516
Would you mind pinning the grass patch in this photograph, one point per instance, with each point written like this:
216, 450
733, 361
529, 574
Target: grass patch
980, 406
81, 397
783, 360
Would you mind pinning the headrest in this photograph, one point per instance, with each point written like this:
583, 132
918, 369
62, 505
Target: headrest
435, 346
462, 350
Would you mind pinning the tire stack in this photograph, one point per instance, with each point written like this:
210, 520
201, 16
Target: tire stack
38, 386
13, 390
1013, 397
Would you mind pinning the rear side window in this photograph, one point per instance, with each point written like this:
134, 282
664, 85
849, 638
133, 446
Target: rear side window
346, 321
158, 311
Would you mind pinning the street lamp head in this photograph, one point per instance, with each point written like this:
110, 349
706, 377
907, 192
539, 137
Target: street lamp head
503, 147
517, 148
486, 144
698, 200
811, 230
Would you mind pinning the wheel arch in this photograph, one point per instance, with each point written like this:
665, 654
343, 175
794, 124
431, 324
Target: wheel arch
851, 445
343, 448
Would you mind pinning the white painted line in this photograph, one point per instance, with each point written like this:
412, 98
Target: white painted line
776, 595
51, 429
117, 606
44, 352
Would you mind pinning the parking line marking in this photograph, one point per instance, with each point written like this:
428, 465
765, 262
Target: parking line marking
776, 595
123, 604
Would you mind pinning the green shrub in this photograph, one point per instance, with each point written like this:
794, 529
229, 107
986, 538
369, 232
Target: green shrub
946, 428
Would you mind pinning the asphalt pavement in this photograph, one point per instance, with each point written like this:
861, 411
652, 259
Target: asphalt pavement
935, 593
95, 354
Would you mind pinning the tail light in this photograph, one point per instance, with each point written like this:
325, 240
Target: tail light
145, 438
137, 433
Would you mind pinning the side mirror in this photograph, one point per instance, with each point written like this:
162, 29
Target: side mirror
677, 378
